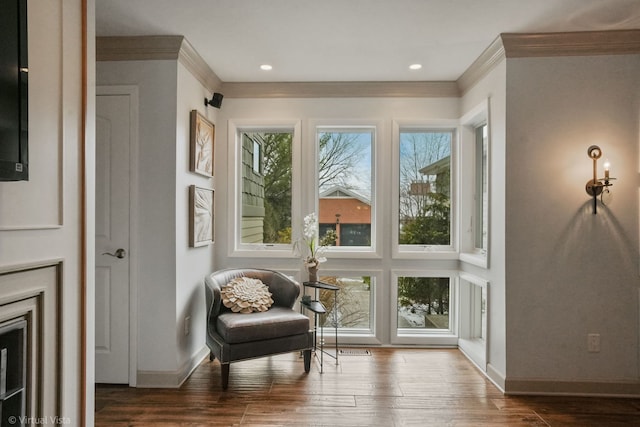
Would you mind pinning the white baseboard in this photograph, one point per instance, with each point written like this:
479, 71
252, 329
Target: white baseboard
171, 379
496, 377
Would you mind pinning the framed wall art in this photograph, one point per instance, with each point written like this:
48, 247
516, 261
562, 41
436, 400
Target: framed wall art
202, 137
200, 216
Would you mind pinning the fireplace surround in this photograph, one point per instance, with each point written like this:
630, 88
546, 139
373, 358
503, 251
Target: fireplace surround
13, 370
30, 341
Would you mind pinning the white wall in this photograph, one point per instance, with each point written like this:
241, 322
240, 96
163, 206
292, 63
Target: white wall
170, 273
40, 219
156, 81
192, 264
569, 272
493, 88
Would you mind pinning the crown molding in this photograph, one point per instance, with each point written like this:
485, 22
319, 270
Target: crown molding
582, 43
486, 62
341, 89
535, 45
138, 48
193, 62
149, 48
507, 45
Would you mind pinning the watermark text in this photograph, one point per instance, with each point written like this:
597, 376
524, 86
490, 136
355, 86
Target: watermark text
39, 421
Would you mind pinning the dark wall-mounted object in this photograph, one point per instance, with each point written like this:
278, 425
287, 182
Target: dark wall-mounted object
215, 101
14, 92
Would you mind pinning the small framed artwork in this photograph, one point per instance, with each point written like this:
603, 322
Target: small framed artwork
202, 137
200, 216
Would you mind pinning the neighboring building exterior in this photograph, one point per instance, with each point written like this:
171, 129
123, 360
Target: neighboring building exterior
348, 214
442, 171
253, 211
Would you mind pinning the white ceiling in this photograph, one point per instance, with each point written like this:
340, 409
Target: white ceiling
352, 40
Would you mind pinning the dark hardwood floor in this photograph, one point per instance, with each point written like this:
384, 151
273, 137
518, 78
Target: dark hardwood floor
391, 387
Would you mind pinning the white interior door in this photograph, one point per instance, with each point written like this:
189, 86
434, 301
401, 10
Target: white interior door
113, 139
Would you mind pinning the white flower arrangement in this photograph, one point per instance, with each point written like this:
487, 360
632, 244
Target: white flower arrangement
312, 250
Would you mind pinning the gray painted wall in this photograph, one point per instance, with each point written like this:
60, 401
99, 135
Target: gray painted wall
569, 272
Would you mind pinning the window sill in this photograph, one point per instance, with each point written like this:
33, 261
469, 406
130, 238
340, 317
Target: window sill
264, 251
476, 259
427, 253
434, 339
278, 251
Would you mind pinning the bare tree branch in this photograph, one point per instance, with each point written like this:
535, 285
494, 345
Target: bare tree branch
337, 157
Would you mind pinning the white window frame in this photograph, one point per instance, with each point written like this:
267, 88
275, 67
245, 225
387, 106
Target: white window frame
476, 117
436, 338
425, 251
311, 161
235, 127
471, 342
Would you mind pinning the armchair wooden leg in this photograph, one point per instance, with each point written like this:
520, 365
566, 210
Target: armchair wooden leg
307, 359
225, 375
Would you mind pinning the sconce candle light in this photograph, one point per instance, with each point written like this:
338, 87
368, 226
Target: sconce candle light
598, 186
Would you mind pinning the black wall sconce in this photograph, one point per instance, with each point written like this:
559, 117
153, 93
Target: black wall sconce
215, 101
599, 186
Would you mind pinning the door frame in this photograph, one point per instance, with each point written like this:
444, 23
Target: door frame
132, 92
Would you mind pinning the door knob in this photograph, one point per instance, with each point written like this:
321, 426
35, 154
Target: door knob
119, 253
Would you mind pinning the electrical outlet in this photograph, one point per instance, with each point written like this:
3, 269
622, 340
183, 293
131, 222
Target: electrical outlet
593, 343
187, 325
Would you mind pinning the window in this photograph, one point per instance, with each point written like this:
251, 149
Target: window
423, 307
345, 177
266, 181
423, 303
474, 186
355, 301
425, 188
473, 318
481, 187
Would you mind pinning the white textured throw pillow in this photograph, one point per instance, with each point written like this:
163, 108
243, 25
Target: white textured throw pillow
246, 295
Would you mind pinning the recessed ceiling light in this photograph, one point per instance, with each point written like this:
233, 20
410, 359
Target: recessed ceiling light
266, 67
415, 66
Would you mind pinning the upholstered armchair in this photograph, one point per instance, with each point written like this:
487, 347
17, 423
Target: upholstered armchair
233, 336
